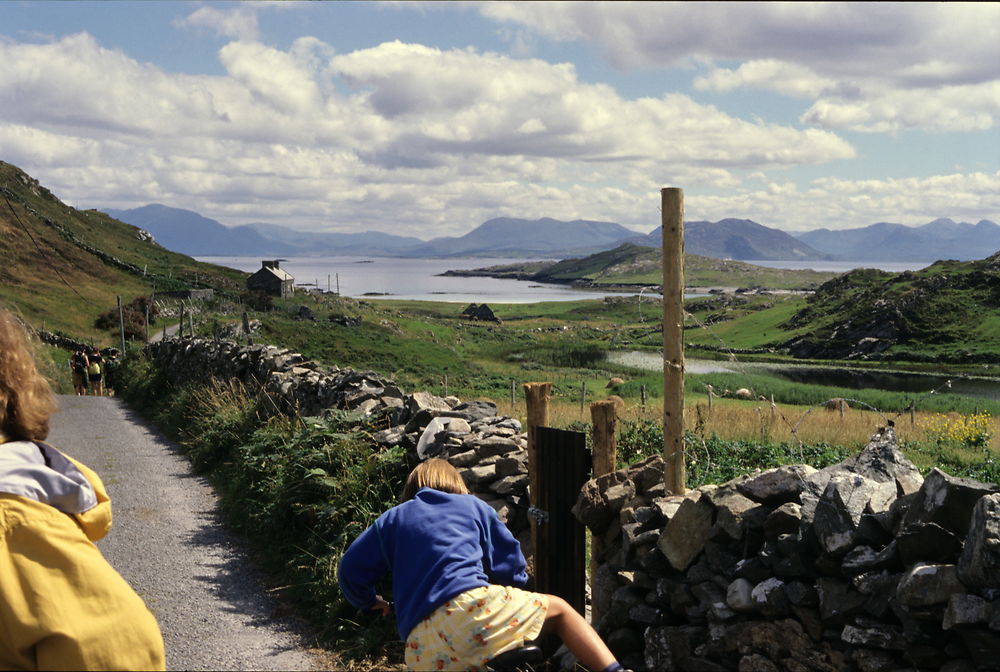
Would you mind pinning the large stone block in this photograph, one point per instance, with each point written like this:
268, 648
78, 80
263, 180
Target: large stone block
685, 535
838, 512
947, 501
730, 505
669, 648
926, 585
776, 486
979, 563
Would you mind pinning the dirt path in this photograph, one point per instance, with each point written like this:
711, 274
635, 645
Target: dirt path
168, 544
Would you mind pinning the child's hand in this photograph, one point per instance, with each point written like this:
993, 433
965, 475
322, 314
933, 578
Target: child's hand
381, 606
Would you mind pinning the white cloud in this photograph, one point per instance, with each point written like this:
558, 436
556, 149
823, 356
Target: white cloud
456, 103
404, 138
238, 23
841, 204
857, 61
974, 107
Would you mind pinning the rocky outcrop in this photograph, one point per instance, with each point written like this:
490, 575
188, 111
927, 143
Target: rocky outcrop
860, 566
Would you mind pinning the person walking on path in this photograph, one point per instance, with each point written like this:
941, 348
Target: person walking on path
78, 369
95, 369
62, 606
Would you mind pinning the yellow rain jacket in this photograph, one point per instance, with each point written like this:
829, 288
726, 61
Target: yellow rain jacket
62, 606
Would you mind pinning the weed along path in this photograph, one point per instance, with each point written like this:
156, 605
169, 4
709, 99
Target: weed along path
168, 543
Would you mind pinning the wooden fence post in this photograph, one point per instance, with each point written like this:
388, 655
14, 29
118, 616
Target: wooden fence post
246, 328
180, 326
536, 397
711, 393
121, 324
672, 211
583, 395
604, 415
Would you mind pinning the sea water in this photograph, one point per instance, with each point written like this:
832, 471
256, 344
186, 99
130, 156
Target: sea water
412, 279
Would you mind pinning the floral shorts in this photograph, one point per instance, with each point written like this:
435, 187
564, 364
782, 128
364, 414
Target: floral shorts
470, 628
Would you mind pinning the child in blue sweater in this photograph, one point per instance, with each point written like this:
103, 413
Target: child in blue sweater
457, 574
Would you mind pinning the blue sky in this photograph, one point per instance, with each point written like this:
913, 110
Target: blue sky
427, 119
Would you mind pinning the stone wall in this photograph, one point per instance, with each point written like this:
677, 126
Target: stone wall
488, 449
863, 566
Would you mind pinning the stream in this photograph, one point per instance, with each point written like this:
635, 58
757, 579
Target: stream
894, 381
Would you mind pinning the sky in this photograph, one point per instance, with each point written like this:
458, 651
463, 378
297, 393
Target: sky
426, 119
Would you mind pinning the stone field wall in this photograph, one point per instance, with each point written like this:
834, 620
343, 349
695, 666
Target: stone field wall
863, 566
488, 450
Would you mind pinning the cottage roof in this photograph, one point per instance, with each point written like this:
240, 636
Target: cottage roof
279, 273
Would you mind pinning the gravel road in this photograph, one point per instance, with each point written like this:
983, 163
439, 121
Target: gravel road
168, 543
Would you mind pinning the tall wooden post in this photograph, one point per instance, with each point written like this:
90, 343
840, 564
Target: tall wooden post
121, 324
180, 325
246, 328
604, 415
672, 203
536, 397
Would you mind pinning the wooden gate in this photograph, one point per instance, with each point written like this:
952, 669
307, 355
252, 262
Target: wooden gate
560, 554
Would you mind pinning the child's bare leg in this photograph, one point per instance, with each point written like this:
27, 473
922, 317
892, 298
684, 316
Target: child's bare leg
577, 634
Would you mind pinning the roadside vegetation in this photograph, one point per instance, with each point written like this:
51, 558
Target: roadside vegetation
302, 488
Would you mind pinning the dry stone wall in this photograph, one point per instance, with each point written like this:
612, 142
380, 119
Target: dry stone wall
488, 449
862, 566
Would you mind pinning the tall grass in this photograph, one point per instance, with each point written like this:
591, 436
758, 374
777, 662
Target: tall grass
745, 435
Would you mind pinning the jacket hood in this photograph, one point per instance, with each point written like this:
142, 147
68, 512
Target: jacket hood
39, 472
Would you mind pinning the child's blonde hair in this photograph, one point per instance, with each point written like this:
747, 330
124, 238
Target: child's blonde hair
433, 473
26, 400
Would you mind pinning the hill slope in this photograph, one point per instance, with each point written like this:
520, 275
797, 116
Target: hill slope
949, 311
190, 233
637, 265
510, 237
737, 239
187, 232
63, 267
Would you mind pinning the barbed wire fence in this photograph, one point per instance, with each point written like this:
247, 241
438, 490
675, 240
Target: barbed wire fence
792, 417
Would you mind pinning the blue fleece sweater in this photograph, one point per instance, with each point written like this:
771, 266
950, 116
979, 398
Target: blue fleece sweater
436, 545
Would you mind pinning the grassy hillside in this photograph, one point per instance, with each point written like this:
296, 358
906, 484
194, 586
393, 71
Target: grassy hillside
949, 312
637, 265
63, 267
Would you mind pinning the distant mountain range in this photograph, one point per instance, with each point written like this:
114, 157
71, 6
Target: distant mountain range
740, 239
188, 232
940, 239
